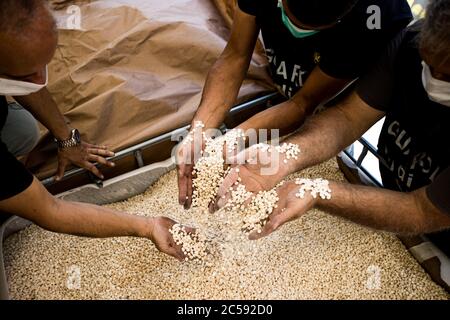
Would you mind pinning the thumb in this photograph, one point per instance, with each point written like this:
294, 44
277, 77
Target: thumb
61, 169
224, 189
276, 220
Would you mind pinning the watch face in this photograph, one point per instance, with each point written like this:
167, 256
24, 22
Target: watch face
76, 136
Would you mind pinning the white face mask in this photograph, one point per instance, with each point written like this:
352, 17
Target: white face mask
21, 88
437, 90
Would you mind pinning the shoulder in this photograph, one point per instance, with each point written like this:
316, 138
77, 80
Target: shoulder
406, 43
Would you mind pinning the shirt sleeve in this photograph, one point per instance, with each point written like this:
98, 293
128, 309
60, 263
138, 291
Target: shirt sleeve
249, 6
438, 192
15, 178
376, 87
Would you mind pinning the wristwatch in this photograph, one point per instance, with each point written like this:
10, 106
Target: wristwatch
73, 141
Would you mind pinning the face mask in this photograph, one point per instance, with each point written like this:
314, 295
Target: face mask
437, 90
295, 31
21, 88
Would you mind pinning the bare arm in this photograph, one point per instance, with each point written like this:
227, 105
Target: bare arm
289, 115
402, 213
321, 138
219, 94
81, 219
227, 74
37, 205
44, 109
328, 133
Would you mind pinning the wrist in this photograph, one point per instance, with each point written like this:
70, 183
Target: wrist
324, 203
288, 167
289, 156
62, 134
146, 229
209, 120
74, 140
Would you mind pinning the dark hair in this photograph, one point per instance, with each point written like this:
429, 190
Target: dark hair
15, 15
317, 13
435, 32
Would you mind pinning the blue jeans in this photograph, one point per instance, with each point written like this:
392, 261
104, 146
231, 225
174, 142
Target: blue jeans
21, 131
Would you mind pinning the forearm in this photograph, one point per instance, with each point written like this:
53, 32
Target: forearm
44, 109
37, 205
328, 133
286, 117
402, 213
290, 115
83, 219
221, 89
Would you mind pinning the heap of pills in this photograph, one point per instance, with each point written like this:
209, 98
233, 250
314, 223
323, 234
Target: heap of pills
316, 187
316, 257
208, 173
238, 197
234, 140
290, 150
256, 213
210, 169
194, 245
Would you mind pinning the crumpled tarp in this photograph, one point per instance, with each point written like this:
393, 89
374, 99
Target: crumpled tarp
136, 68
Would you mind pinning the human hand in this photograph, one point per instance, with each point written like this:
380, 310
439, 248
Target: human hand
289, 207
84, 156
163, 239
189, 151
261, 167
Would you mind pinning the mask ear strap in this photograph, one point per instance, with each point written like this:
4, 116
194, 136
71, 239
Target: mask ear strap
46, 75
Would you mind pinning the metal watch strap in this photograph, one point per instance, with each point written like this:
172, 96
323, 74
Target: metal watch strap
69, 143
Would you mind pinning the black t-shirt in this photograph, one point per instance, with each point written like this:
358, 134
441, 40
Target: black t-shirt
344, 51
14, 178
414, 139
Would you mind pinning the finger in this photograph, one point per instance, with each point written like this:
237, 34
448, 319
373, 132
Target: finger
100, 152
268, 228
182, 187
101, 160
274, 222
190, 230
212, 206
92, 168
224, 189
176, 252
220, 203
61, 169
188, 202
171, 249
